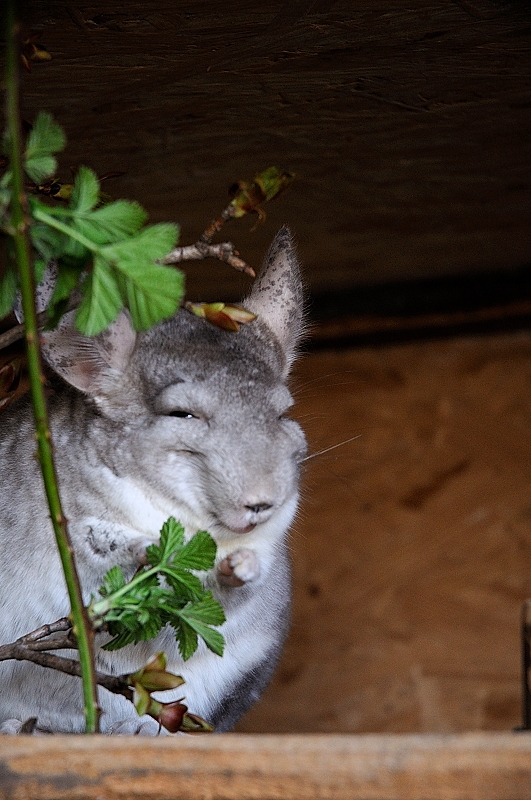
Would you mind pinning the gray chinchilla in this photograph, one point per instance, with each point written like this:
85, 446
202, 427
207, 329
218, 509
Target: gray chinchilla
184, 420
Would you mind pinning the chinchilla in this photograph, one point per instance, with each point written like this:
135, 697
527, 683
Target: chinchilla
184, 420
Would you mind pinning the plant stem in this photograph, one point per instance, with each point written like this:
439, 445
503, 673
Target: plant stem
20, 223
99, 608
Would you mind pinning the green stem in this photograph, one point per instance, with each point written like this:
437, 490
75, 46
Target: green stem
20, 223
99, 608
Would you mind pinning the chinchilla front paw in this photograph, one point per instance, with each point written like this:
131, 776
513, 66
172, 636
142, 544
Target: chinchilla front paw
15, 727
238, 568
135, 726
138, 549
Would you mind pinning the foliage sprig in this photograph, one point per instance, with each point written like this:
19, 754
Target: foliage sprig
137, 610
103, 250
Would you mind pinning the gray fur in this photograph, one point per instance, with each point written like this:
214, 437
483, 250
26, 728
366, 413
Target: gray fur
125, 464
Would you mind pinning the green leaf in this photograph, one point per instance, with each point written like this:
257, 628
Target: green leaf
45, 139
152, 243
151, 292
212, 638
120, 219
46, 136
198, 553
48, 242
138, 611
111, 223
171, 540
200, 616
86, 191
112, 581
8, 292
206, 610
39, 265
101, 302
122, 640
186, 638
184, 583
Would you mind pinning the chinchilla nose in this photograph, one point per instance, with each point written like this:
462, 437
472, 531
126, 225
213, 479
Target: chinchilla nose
258, 507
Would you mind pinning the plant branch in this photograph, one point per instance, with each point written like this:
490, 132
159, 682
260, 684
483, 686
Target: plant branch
59, 636
20, 225
204, 248
225, 252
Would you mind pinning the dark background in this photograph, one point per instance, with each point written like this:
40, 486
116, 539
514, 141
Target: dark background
407, 125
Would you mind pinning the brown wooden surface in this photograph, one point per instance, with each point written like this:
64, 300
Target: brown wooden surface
407, 124
412, 550
236, 767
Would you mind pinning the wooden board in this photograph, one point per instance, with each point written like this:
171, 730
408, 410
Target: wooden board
236, 767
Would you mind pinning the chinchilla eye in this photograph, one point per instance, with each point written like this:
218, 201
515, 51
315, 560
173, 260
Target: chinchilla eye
181, 414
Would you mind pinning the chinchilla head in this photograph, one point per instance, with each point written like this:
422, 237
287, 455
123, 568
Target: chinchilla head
196, 415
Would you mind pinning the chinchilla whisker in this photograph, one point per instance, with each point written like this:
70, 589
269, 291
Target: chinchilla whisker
332, 447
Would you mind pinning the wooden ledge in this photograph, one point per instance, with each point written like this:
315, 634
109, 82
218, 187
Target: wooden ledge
475, 766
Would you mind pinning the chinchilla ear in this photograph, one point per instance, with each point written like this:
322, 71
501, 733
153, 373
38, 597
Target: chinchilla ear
86, 362
90, 363
277, 294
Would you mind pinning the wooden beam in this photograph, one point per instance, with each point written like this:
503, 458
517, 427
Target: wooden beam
473, 766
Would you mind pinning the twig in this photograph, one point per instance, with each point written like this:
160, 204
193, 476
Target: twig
59, 636
225, 252
16, 333
204, 248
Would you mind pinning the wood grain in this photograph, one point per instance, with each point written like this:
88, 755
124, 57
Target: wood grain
235, 767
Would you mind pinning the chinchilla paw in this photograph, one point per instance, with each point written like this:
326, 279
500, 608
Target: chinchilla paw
135, 726
238, 568
15, 727
139, 547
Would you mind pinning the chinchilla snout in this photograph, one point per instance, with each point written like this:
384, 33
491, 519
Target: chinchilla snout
257, 485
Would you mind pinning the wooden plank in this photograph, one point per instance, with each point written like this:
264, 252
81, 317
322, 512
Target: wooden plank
474, 766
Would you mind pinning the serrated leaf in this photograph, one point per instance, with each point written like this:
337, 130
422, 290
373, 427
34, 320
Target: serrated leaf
186, 638
198, 553
151, 292
101, 301
212, 638
40, 167
86, 191
121, 218
45, 139
111, 223
122, 640
206, 610
113, 580
49, 242
46, 136
184, 583
152, 243
171, 538
200, 615
8, 292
